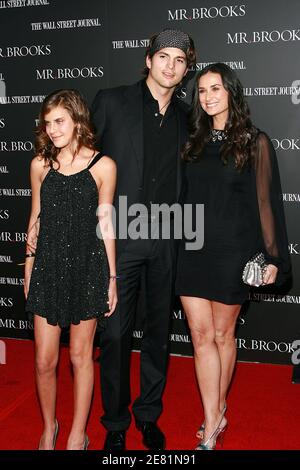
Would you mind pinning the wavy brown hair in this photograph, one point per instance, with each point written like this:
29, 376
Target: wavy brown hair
72, 101
241, 133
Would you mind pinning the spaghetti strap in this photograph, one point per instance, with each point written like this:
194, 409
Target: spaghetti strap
94, 160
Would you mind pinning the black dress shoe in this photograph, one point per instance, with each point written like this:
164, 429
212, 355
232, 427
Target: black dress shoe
153, 438
115, 440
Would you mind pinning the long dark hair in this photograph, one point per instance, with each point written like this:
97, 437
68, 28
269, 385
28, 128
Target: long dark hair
241, 133
84, 135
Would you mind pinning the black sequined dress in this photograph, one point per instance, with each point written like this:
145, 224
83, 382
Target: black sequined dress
70, 275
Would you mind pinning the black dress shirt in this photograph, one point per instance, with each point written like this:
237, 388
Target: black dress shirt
160, 152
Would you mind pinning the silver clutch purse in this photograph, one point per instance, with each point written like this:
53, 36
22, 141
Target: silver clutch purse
253, 273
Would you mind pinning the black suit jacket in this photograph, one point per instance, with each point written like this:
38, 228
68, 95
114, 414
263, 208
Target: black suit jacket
117, 114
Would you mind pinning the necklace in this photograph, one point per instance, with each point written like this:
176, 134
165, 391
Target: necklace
217, 135
159, 112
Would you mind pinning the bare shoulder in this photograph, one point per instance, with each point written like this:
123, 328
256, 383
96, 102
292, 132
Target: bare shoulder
106, 165
38, 168
38, 164
108, 162
105, 170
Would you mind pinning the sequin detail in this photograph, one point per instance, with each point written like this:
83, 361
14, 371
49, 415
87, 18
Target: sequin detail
217, 135
70, 275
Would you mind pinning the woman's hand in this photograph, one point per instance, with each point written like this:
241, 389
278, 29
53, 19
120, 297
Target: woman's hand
112, 297
270, 274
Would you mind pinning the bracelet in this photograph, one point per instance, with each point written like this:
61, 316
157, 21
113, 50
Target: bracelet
114, 277
29, 255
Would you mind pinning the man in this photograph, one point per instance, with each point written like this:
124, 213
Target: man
143, 127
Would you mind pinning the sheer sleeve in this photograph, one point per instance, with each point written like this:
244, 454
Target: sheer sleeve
270, 206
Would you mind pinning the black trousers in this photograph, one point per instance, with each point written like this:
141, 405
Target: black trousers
157, 259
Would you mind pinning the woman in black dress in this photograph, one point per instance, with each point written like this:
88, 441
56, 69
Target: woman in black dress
231, 168
70, 280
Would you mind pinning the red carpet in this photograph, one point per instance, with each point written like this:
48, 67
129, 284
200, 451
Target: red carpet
263, 405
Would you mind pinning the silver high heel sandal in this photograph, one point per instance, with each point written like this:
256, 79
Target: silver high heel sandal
211, 442
55, 434
56, 429
200, 432
85, 442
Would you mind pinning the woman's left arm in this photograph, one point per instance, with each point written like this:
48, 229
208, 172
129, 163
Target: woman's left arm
269, 196
107, 175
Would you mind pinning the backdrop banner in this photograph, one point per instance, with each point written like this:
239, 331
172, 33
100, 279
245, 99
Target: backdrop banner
51, 44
